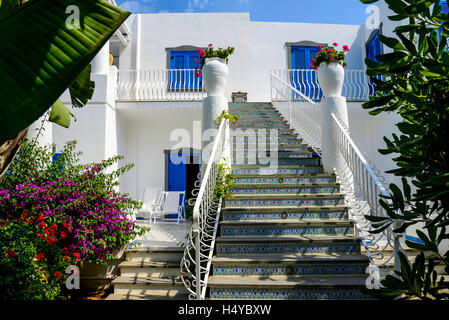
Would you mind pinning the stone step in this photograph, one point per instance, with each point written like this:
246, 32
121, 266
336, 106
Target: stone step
137, 295
299, 265
323, 188
284, 213
285, 179
238, 170
148, 285
253, 148
271, 228
267, 152
156, 254
251, 135
276, 161
147, 268
291, 287
313, 244
283, 200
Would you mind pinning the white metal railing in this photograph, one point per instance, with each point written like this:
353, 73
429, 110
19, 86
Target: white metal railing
371, 190
305, 117
356, 87
303, 114
197, 259
159, 85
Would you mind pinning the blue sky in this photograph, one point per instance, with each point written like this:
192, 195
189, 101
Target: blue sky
315, 11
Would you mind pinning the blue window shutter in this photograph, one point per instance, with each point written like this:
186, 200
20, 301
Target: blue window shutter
182, 60
177, 175
298, 58
305, 81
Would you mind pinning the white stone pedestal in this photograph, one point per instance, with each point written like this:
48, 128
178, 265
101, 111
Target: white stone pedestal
331, 156
212, 108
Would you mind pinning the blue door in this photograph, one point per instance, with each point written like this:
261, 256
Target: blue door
177, 173
179, 78
303, 77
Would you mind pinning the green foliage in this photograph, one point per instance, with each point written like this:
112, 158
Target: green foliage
46, 57
414, 82
228, 116
211, 53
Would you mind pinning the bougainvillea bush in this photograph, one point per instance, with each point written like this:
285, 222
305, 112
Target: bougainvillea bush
58, 213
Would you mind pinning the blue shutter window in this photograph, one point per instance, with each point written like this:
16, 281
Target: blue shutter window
182, 73
302, 79
373, 49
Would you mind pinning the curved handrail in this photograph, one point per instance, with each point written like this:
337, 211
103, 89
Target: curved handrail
197, 258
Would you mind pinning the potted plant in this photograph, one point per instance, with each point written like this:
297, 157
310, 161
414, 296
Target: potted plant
213, 67
330, 64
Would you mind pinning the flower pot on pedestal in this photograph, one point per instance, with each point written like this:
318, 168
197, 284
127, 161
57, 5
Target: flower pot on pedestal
331, 77
215, 75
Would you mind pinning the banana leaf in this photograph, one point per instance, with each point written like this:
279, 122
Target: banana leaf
40, 57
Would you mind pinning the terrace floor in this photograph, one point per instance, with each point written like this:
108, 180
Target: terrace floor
164, 234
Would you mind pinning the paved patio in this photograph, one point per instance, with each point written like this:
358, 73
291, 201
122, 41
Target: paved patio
164, 234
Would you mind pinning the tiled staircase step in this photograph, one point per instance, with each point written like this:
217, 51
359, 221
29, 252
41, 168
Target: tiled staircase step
252, 148
288, 281
317, 179
260, 161
284, 213
294, 288
289, 259
313, 244
285, 188
253, 134
254, 141
172, 295
285, 228
280, 169
280, 154
281, 200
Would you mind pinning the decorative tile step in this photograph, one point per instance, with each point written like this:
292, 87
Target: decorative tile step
286, 214
292, 288
281, 169
267, 126
253, 148
255, 141
280, 154
263, 117
245, 189
291, 269
282, 200
252, 135
313, 244
285, 228
260, 161
285, 179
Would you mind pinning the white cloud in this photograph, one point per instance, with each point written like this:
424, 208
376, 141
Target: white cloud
141, 6
196, 4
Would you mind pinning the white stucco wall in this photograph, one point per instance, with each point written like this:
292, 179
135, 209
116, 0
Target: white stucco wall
259, 46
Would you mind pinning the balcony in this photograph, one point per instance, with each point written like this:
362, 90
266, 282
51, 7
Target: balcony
183, 85
159, 85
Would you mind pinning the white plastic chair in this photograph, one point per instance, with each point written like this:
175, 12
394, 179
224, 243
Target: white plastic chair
171, 205
151, 199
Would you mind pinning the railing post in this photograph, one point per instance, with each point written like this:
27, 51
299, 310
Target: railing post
198, 266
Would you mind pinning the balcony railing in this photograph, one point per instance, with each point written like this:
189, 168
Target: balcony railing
356, 87
159, 85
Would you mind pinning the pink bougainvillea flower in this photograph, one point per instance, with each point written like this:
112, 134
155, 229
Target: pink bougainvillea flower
320, 46
335, 44
330, 50
58, 274
40, 256
210, 45
345, 48
196, 61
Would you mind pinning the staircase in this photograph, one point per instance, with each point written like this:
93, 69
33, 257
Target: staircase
150, 273
285, 233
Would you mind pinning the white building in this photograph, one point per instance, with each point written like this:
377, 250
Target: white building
139, 104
